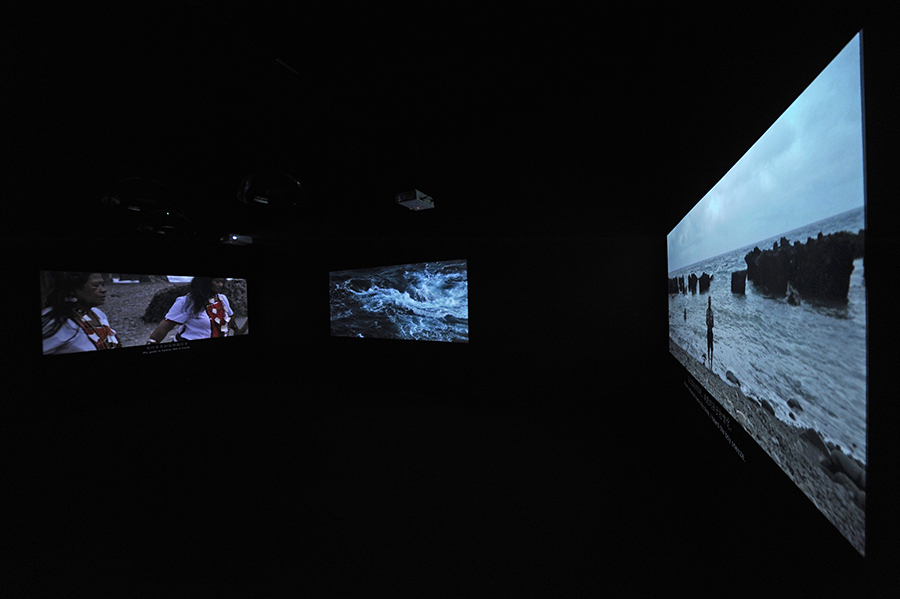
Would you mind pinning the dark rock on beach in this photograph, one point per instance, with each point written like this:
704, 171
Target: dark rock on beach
703, 282
820, 269
236, 292
815, 439
677, 285
739, 282
840, 462
162, 301
673, 285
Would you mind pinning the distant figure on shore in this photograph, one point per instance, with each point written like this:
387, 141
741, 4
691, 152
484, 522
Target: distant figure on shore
709, 333
204, 313
71, 321
685, 314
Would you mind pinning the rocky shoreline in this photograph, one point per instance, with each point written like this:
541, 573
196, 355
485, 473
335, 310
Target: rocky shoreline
831, 479
819, 269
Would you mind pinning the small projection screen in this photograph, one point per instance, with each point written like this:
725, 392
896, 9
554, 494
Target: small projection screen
428, 301
767, 294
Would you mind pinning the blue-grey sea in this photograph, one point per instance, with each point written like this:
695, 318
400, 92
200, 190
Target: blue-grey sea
427, 302
815, 354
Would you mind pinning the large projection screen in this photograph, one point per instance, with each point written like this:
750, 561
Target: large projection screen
427, 301
767, 293
90, 311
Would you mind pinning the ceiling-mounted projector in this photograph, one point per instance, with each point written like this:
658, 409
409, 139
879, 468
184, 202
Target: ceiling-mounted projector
415, 200
237, 239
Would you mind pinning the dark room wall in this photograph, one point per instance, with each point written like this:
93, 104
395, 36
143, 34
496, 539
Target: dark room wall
556, 452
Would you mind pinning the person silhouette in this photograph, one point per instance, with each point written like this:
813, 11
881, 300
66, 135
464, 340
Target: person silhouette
709, 331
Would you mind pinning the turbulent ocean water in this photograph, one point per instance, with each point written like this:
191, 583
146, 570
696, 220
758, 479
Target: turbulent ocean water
427, 301
813, 353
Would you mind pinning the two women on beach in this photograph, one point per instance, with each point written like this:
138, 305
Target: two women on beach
72, 321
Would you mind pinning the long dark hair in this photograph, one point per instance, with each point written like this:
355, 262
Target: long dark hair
201, 291
63, 286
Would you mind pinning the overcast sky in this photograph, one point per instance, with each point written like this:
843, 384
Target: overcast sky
807, 166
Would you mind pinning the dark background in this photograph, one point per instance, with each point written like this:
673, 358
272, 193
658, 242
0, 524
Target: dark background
557, 452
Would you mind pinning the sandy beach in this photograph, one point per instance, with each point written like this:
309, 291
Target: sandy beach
801, 454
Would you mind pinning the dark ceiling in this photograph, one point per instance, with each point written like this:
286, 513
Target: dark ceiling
519, 123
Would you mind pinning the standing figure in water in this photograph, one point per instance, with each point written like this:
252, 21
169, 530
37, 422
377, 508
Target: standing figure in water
709, 333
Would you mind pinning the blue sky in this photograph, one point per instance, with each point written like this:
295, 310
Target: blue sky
807, 166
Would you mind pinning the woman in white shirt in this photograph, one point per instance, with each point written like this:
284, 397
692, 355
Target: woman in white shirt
71, 320
204, 313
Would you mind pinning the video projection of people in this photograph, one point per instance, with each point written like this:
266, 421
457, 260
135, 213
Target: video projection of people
91, 311
767, 293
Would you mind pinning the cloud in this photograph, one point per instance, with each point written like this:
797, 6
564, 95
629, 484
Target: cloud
807, 166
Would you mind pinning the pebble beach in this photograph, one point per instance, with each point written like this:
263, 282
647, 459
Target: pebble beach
800, 453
